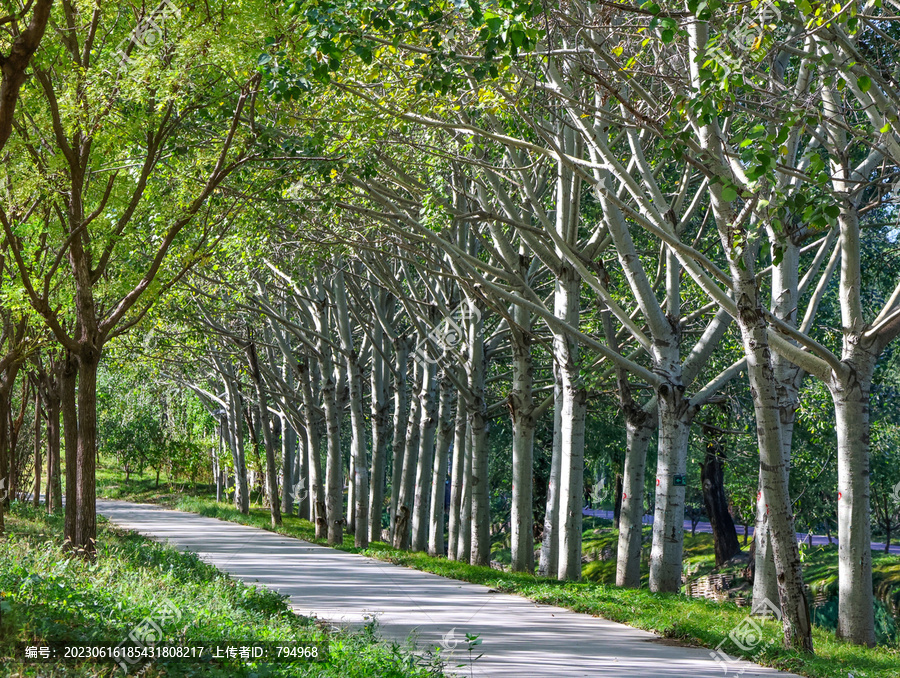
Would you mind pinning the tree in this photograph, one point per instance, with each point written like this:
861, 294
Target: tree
90, 245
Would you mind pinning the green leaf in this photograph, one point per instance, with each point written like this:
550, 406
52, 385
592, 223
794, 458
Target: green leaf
864, 82
729, 194
778, 256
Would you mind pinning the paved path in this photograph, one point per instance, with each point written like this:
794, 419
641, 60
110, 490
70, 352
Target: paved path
521, 639
818, 539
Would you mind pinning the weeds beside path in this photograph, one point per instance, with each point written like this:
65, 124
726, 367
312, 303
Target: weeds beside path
47, 595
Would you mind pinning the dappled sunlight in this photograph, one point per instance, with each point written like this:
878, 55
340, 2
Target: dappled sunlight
519, 637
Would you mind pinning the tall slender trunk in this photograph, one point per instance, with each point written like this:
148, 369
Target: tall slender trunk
334, 513
350, 519
288, 447
380, 420
314, 451
36, 498
850, 393
403, 514
464, 545
457, 478
742, 252
638, 430
4, 451
521, 411
671, 470
572, 420
236, 440
424, 467
765, 580
480, 492
401, 420
219, 467
358, 504
266, 426
15, 429
86, 512
54, 502
549, 544
439, 473
774, 472
334, 500
348, 481
7, 438
303, 495
68, 382
783, 301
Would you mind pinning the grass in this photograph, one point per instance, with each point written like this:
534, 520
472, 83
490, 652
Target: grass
691, 621
820, 563
47, 595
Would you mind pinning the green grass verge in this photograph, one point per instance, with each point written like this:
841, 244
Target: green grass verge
820, 572
48, 595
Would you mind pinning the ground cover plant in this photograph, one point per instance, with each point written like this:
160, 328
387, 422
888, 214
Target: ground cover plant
49, 595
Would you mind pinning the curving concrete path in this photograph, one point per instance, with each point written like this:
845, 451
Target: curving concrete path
520, 639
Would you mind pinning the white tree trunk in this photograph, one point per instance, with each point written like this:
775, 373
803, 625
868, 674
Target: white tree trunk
318, 510
334, 500
639, 428
521, 410
856, 611
236, 436
765, 583
464, 546
219, 468
358, 504
288, 449
850, 392
265, 425
760, 371
380, 420
668, 519
425, 466
773, 465
401, 420
439, 473
403, 515
572, 418
302, 495
784, 299
480, 492
457, 478
549, 543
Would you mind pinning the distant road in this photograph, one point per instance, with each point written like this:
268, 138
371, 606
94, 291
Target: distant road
818, 539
